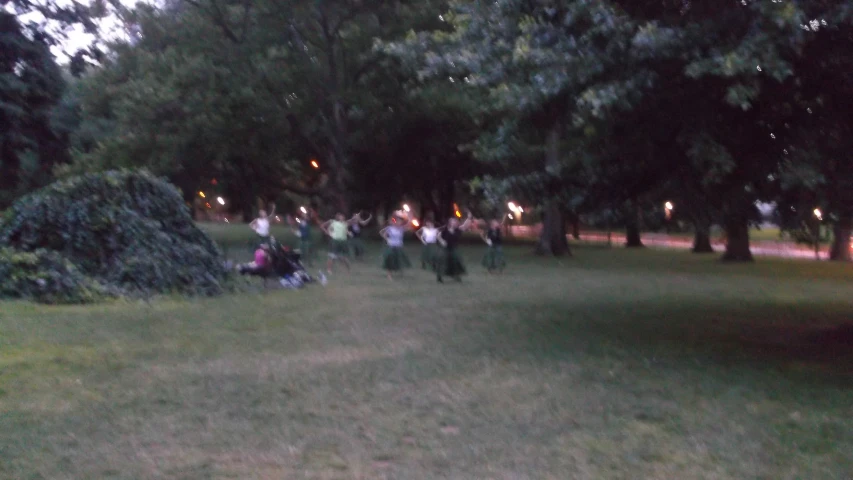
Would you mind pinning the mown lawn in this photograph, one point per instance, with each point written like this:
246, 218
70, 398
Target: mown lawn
613, 365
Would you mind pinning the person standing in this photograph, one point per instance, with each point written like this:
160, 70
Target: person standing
450, 263
394, 258
306, 246
494, 260
338, 234
356, 243
428, 235
261, 225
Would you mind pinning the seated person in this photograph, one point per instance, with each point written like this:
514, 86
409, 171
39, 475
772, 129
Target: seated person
261, 263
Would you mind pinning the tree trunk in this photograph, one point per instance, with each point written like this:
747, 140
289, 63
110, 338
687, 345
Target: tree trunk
553, 241
632, 236
553, 237
841, 232
632, 230
737, 240
702, 238
576, 227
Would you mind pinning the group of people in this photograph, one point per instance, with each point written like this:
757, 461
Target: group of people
439, 252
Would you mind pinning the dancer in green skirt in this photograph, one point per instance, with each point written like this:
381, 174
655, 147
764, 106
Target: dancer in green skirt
338, 249
449, 262
356, 244
494, 260
306, 245
394, 258
428, 235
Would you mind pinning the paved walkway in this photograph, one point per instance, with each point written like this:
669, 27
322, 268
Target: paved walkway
768, 248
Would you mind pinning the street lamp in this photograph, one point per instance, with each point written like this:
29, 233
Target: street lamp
220, 200
512, 207
201, 194
303, 210
406, 207
668, 205
818, 214
315, 164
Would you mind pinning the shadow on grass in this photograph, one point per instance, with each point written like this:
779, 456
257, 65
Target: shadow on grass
815, 340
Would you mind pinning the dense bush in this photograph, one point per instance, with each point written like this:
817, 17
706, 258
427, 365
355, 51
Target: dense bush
45, 276
127, 230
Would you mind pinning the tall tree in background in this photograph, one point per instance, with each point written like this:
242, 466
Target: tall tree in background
31, 86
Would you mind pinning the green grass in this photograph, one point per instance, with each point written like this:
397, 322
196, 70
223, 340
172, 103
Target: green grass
616, 364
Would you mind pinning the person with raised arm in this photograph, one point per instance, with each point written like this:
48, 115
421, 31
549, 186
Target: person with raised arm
494, 260
450, 263
261, 225
355, 224
428, 235
338, 234
394, 258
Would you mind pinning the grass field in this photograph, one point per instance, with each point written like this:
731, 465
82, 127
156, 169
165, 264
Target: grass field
616, 364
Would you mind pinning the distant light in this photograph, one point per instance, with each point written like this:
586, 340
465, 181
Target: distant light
441, 17
416, 223
220, 200
298, 220
315, 164
207, 205
406, 207
520, 210
213, 182
201, 194
510, 216
226, 221
668, 205
277, 218
818, 214
511, 207
458, 214
303, 210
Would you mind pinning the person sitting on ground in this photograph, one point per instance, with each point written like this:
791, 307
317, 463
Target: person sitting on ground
261, 263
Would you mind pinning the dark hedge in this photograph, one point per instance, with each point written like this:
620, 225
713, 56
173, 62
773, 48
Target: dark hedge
129, 231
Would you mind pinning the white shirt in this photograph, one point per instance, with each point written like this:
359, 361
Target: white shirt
262, 227
395, 236
430, 235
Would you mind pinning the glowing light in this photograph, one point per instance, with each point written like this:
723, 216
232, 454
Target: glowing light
303, 210
277, 218
201, 194
818, 214
668, 205
520, 210
315, 164
510, 216
226, 221
406, 207
458, 214
220, 200
213, 182
207, 205
416, 223
511, 206
298, 220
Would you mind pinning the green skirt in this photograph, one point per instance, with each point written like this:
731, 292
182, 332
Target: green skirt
450, 263
339, 248
306, 248
394, 259
494, 258
356, 246
429, 254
